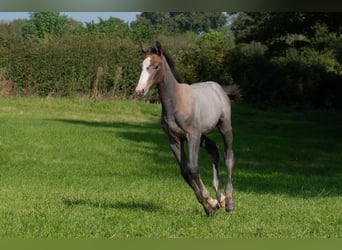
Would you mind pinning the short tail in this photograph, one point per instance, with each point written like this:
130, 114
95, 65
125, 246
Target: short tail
233, 91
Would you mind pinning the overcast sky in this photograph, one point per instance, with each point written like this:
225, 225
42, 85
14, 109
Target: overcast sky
79, 16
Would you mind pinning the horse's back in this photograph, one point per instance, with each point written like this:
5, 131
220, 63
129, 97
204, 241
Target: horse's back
210, 92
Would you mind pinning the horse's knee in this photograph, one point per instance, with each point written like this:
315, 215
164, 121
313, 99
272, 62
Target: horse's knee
185, 173
229, 160
193, 170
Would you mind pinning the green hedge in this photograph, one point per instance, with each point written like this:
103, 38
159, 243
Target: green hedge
71, 65
98, 65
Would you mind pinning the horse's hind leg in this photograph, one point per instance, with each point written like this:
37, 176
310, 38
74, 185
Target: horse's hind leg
212, 148
227, 134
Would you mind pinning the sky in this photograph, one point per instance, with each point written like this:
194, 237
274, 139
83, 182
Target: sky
79, 16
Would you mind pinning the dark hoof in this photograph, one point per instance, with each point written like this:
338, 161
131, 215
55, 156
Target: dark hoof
229, 204
210, 211
229, 208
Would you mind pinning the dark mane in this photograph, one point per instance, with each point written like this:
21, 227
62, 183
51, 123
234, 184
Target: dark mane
172, 66
171, 63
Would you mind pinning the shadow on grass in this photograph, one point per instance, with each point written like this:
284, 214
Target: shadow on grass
255, 170
142, 139
146, 207
149, 132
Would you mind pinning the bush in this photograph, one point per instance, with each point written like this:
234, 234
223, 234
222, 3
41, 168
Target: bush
250, 68
300, 77
305, 74
69, 64
210, 64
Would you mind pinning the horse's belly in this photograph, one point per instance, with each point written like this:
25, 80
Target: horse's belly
209, 121
208, 105
209, 113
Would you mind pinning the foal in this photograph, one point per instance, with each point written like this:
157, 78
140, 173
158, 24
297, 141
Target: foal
188, 112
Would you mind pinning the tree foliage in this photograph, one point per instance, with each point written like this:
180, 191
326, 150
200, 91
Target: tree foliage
179, 22
44, 25
111, 27
301, 62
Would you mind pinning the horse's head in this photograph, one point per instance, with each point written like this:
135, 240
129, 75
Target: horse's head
151, 69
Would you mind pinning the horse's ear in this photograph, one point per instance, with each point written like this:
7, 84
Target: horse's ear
143, 49
159, 48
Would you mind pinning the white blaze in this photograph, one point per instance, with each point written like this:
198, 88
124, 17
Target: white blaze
144, 75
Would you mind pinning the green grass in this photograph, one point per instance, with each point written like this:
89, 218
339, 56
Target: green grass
84, 169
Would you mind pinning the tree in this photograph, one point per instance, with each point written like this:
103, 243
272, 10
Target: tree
112, 26
300, 57
44, 25
282, 30
210, 59
179, 22
143, 30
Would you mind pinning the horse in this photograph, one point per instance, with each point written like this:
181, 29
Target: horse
188, 113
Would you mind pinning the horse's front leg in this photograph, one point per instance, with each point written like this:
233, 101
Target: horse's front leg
209, 204
177, 147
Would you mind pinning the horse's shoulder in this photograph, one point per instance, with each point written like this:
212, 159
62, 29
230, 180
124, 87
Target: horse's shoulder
183, 92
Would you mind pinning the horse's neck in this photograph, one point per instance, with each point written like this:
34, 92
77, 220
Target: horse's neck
167, 93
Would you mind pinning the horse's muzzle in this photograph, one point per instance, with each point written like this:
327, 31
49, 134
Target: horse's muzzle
140, 92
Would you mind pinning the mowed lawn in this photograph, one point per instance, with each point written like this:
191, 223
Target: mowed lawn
84, 169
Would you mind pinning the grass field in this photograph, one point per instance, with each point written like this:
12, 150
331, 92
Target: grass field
85, 169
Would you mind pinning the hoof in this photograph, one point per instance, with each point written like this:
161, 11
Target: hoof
229, 205
229, 209
210, 211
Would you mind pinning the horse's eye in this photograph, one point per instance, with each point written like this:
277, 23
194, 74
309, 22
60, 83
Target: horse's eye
156, 66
